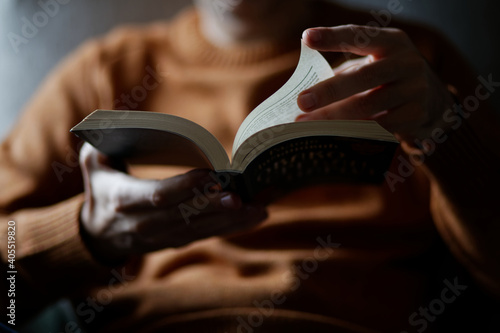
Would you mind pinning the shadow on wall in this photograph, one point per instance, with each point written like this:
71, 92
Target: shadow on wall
38, 33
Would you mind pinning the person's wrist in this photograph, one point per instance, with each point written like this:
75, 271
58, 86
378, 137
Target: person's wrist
103, 253
435, 128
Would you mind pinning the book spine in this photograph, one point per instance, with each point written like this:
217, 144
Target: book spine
233, 182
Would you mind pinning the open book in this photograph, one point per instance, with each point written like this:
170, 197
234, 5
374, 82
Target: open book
271, 154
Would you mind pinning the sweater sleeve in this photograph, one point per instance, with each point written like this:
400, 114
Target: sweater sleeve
462, 160
41, 186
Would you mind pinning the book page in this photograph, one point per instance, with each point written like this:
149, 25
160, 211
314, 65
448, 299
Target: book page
152, 138
281, 107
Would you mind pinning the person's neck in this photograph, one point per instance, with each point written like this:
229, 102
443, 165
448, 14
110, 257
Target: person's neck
229, 29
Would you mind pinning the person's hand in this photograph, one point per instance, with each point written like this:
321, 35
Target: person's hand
123, 215
392, 83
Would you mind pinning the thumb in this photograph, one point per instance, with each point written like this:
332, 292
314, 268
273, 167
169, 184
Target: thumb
92, 159
93, 165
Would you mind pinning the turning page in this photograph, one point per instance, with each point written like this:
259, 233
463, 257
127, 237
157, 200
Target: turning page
281, 107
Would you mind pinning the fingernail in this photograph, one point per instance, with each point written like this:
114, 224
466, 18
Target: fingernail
229, 201
302, 117
312, 34
307, 101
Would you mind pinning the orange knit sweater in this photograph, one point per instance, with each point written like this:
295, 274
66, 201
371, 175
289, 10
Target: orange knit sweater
328, 256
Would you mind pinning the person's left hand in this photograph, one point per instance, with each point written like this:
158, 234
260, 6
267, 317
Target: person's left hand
392, 84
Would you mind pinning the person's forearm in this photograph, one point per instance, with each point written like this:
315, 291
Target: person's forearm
51, 261
463, 163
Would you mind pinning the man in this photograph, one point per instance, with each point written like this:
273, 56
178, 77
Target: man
351, 258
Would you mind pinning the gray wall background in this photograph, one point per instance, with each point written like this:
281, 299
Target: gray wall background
472, 25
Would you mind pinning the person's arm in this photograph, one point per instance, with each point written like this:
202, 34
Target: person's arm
464, 169
67, 241
413, 98
125, 216
40, 183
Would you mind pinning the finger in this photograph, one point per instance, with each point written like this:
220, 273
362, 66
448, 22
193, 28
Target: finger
360, 40
85, 160
127, 193
203, 226
350, 83
150, 222
352, 64
365, 105
91, 159
137, 194
94, 166
113, 188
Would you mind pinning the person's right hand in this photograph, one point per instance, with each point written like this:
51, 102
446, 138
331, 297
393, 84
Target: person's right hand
123, 215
